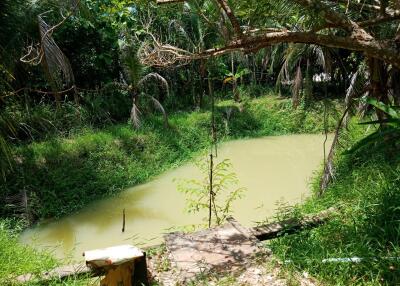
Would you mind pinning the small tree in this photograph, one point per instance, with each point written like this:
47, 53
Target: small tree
216, 197
233, 79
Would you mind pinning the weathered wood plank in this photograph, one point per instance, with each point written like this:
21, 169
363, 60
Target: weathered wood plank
61, 272
292, 225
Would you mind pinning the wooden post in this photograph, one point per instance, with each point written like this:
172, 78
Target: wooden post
124, 265
123, 220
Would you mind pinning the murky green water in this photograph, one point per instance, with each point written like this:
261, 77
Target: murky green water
273, 169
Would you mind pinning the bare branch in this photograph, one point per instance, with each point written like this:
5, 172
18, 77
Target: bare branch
379, 20
37, 59
165, 55
160, 2
232, 18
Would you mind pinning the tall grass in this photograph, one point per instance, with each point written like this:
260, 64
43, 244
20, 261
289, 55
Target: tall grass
16, 259
367, 193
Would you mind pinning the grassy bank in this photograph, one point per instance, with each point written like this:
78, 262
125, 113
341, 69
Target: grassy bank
16, 259
63, 174
367, 193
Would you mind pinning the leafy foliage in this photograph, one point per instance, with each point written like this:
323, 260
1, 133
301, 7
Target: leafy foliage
386, 137
366, 193
223, 191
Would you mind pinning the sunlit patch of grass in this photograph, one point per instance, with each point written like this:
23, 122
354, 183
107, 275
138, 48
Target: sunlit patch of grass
17, 259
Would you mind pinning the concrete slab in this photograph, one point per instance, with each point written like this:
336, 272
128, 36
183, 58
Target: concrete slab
224, 248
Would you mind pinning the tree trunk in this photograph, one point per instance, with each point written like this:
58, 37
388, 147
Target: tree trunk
378, 82
396, 86
203, 72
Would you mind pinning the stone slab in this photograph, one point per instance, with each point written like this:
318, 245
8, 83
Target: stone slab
224, 248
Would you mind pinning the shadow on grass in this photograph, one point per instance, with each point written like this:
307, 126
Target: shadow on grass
368, 227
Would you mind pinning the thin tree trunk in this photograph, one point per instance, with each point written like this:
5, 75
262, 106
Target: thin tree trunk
378, 80
328, 167
396, 86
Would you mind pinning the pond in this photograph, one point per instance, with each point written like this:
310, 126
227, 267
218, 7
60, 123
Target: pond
275, 171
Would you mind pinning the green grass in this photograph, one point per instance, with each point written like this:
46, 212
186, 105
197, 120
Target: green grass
16, 259
63, 174
367, 193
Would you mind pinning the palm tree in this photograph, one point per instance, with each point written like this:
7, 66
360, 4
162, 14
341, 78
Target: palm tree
135, 80
298, 59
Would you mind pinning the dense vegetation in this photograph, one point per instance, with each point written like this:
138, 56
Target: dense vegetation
366, 193
64, 173
96, 96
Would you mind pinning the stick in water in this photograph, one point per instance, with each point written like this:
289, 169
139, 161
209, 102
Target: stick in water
123, 220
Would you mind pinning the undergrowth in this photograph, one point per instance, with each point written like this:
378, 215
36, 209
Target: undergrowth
63, 174
17, 259
366, 191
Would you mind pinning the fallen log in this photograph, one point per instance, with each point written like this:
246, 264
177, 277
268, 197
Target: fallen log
292, 225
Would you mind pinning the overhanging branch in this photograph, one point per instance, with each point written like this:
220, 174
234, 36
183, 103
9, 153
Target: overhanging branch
371, 48
169, 1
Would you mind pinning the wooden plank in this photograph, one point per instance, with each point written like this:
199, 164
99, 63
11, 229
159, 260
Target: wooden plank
77, 270
115, 255
292, 225
60, 273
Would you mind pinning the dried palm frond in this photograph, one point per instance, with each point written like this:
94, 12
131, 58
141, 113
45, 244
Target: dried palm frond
324, 58
358, 82
55, 63
159, 106
135, 119
157, 77
18, 203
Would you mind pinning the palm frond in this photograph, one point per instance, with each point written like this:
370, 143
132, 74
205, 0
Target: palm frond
156, 77
7, 130
296, 87
135, 118
178, 27
132, 69
55, 63
159, 106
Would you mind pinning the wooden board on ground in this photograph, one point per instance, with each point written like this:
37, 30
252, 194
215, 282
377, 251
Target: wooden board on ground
223, 248
292, 225
58, 273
